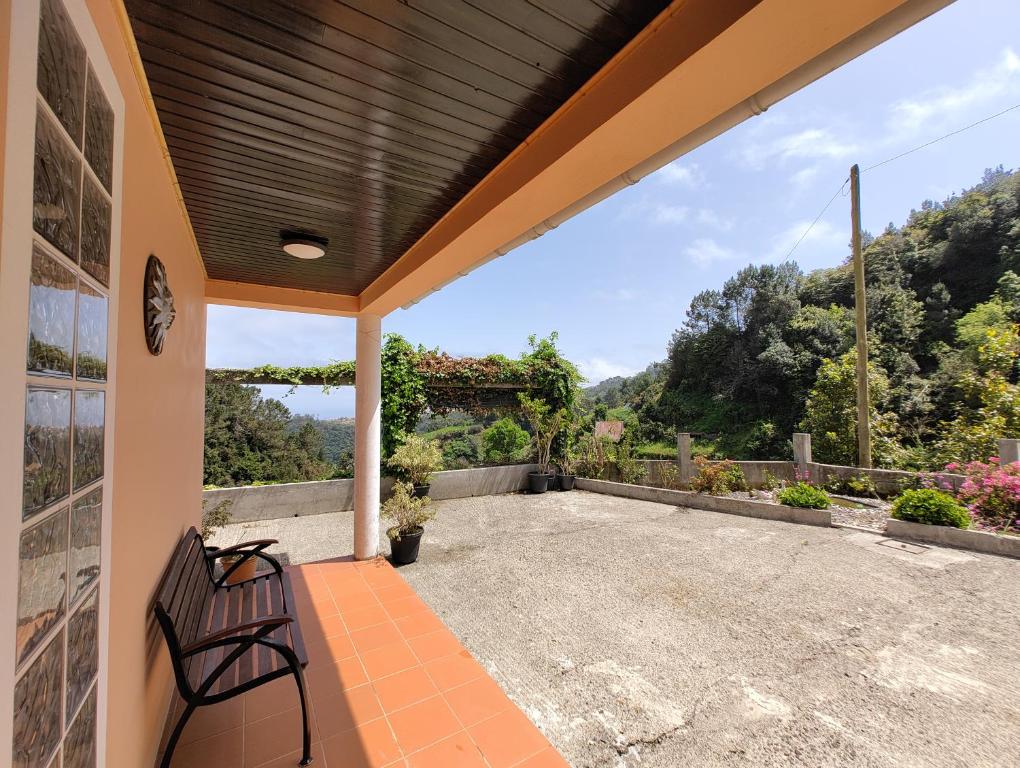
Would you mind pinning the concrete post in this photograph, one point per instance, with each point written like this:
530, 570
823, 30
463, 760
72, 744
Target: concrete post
367, 435
1009, 451
802, 453
683, 457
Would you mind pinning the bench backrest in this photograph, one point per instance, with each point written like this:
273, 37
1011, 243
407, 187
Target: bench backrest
184, 597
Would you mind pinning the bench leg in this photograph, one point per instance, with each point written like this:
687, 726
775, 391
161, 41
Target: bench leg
306, 735
178, 730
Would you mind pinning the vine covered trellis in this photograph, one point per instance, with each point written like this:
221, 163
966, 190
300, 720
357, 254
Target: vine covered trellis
417, 379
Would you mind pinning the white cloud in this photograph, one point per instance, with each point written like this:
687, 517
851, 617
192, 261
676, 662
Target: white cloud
705, 251
808, 144
822, 235
803, 178
944, 105
710, 218
670, 214
687, 175
596, 369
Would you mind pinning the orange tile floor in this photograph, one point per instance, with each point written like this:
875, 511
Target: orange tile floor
389, 685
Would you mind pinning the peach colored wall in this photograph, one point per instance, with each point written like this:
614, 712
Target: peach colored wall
5, 40
157, 477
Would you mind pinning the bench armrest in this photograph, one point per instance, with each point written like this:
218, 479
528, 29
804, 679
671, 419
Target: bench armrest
237, 549
258, 627
245, 551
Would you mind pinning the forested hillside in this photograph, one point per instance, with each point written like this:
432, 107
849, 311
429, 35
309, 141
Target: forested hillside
770, 352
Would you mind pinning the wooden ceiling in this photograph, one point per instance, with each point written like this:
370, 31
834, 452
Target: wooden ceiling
362, 121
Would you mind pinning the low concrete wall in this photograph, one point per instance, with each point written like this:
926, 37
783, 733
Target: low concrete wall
729, 506
976, 541
265, 502
888, 482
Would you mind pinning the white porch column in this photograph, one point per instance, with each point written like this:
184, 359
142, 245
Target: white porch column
367, 425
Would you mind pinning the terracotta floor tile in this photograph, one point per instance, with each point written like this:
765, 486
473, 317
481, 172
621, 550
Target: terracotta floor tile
209, 721
291, 759
272, 737
548, 758
393, 591
458, 751
388, 659
350, 599
477, 701
375, 636
322, 652
420, 623
368, 616
404, 688
423, 724
451, 671
435, 645
271, 699
404, 606
224, 750
347, 710
369, 746
508, 738
329, 680
323, 627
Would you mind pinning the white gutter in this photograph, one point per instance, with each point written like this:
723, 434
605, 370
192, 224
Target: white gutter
863, 41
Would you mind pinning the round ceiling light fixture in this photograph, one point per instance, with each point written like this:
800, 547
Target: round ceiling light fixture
302, 245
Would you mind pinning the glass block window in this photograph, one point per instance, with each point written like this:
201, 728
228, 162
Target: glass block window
37, 707
89, 434
51, 316
42, 581
57, 657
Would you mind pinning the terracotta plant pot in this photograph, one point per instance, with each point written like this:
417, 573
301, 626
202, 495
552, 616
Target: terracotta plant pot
244, 572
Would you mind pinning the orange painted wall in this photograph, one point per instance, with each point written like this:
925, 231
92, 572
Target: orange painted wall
159, 422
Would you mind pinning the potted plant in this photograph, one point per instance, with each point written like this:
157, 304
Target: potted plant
545, 425
216, 517
568, 458
409, 513
415, 461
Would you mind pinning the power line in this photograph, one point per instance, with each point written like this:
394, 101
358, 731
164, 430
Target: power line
891, 159
819, 216
941, 138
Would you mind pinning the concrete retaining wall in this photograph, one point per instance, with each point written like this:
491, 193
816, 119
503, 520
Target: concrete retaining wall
729, 506
977, 541
888, 482
265, 502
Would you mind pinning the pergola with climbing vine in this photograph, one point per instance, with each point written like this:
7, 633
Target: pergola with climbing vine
416, 379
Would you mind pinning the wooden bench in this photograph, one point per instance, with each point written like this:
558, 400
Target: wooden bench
227, 639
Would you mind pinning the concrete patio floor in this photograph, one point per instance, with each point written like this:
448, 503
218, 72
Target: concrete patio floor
639, 634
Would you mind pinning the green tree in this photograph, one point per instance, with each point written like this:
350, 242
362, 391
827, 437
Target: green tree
504, 442
831, 411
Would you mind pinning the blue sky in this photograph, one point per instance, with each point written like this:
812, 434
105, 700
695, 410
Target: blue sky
617, 280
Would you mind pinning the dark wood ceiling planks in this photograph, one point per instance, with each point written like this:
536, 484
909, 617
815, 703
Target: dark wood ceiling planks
362, 121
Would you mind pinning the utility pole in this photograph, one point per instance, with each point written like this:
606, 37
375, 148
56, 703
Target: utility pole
861, 316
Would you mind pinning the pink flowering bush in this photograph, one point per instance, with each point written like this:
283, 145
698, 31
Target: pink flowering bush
991, 493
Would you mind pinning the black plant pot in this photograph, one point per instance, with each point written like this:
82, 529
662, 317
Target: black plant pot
538, 482
405, 549
421, 491
554, 481
567, 482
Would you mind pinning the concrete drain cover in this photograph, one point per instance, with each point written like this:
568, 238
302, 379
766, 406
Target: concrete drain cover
903, 546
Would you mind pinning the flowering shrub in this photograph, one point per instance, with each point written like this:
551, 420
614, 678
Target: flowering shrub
717, 477
991, 493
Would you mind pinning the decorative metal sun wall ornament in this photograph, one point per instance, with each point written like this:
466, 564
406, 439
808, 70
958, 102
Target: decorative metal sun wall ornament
159, 305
